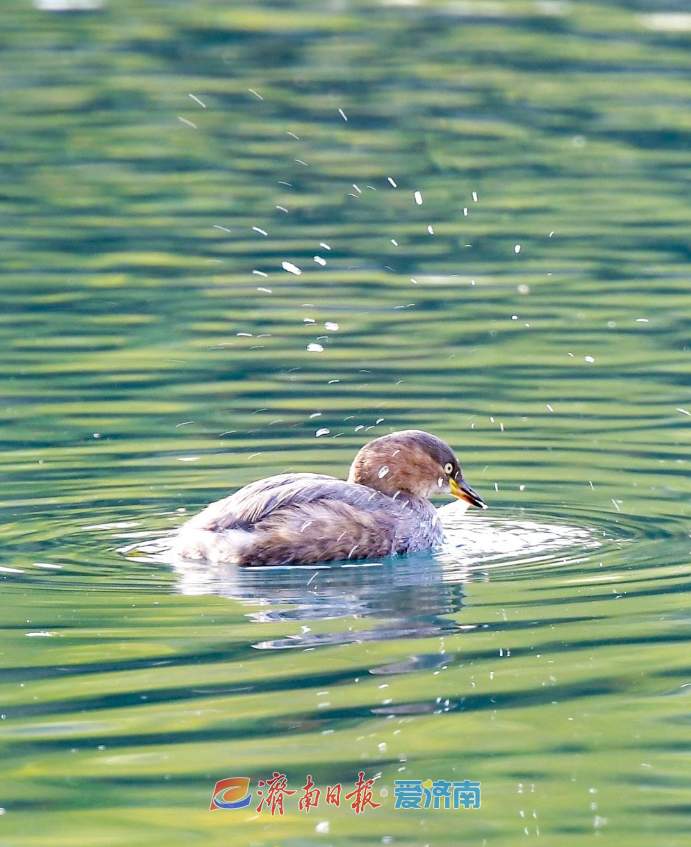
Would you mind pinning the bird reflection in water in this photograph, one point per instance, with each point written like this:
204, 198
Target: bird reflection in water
372, 601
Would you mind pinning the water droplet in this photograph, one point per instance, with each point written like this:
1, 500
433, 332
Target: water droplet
291, 268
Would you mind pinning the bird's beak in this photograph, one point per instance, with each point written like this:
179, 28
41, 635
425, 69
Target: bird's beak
463, 491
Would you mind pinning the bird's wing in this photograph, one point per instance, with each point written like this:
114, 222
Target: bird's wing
255, 502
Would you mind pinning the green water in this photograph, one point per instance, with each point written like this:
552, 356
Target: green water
147, 370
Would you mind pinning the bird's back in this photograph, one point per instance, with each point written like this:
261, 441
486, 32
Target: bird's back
306, 518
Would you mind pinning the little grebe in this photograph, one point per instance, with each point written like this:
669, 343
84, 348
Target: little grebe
304, 518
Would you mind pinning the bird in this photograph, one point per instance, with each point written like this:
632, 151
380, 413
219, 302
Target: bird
382, 509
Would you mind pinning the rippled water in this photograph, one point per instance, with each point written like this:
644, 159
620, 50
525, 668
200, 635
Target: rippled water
533, 310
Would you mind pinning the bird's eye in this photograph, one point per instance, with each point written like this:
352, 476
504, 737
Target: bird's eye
448, 468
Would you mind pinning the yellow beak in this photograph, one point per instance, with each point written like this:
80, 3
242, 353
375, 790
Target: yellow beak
464, 492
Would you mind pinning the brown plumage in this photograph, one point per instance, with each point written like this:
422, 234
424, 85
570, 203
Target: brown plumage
303, 518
